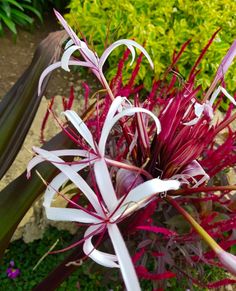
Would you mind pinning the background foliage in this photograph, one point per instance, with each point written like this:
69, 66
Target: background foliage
163, 26
22, 13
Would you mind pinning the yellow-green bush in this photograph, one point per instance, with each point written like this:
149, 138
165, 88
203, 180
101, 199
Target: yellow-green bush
163, 26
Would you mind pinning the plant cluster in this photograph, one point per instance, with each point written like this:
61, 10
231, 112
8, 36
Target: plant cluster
145, 184
162, 26
147, 172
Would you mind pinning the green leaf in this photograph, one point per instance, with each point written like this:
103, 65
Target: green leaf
16, 4
1, 29
9, 23
34, 10
21, 16
6, 8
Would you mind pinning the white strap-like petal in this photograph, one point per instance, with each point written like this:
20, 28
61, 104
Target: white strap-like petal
57, 65
65, 214
66, 57
138, 196
226, 62
112, 111
104, 259
57, 182
59, 153
68, 44
199, 109
70, 214
127, 268
129, 43
125, 112
73, 176
104, 183
81, 127
88, 54
193, 170
216, 93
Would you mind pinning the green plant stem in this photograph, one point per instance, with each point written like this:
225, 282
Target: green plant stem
197, 227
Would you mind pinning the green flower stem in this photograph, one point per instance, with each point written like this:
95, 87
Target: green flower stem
200, 230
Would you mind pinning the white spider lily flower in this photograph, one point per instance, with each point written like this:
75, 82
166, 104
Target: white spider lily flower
192, 170
199, 110
207, 107
223, 68
109, 209
91, 58
103, 217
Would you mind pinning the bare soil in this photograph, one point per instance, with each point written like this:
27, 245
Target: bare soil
16, 55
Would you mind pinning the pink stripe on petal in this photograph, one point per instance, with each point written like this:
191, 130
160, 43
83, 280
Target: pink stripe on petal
73, 176
67, 28
226, 62
59, 153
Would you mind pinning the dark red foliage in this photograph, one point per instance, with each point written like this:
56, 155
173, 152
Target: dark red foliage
143, 273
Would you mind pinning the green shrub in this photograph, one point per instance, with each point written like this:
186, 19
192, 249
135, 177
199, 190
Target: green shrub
14, 13
163, 26
21, 13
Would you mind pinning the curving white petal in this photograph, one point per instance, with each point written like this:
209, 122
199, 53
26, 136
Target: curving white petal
226, 62
112, 111
81, 127
104, 183
60, 153
216, 93
139, 195
104, 259
57, 182
88, 54
129, 43
73, 176
66, 57
125, 112
70, 214
68, 44
57, 65
132, 50
194, 169
199, 110
125, 262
